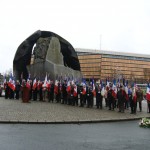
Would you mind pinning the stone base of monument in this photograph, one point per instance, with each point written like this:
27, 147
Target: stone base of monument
54, 71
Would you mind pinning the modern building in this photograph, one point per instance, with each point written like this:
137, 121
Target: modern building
102, 64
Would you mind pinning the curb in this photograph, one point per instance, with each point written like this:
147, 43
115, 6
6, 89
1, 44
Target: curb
68, 122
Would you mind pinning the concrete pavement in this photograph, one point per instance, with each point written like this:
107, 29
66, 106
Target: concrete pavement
14, 111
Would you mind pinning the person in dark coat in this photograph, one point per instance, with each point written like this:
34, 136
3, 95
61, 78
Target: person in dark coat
139, 94
110, 98
83, 96
51, 97
11, 93
58, 95
98, 97
64, 93
131, 101
31, 85
34, 89
0, 90
75, 95
17, 89
72, 100
89, 96
121, 95
40, 91
148, 105
6, 88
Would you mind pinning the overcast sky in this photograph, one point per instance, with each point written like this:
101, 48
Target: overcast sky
123, 25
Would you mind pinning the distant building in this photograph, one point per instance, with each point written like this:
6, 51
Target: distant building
102, 64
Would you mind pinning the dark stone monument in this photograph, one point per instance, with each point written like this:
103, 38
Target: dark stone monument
46, 52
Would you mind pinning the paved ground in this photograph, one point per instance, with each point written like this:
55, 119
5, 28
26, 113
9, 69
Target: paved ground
43, 112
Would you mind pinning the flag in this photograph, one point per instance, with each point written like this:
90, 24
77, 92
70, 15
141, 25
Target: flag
34, 84
114, 88
107, 82
134, 93
48, 85
93, 87
84, 90
45, 81
11, 82
114, 94
83, 81
148, 92
28, 84
75, 91
118, 82
68, 87
56, 87
126, 88
103, 91
114, 81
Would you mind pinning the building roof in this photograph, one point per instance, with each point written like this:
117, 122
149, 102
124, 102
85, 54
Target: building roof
105, 52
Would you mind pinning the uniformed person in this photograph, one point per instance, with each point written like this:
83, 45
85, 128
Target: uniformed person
51, 97
98, 97
6, 88
89, 96
110, 98
64, 92
121, 95
83, 96
139, 94
17, 89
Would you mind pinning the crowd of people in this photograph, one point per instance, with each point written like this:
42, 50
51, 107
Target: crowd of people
114, 97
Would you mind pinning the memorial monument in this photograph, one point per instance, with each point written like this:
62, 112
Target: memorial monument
46, 52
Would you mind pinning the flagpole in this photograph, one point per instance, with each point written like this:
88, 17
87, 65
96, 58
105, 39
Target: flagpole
100, 40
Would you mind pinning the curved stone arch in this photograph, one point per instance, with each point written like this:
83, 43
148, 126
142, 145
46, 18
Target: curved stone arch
24, 51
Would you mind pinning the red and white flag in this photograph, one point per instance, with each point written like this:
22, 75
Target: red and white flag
75, 91
68, 87
45, 82
93, 87
28, 84
34, 84
11, 83
84, 90
56, 87
148, 93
